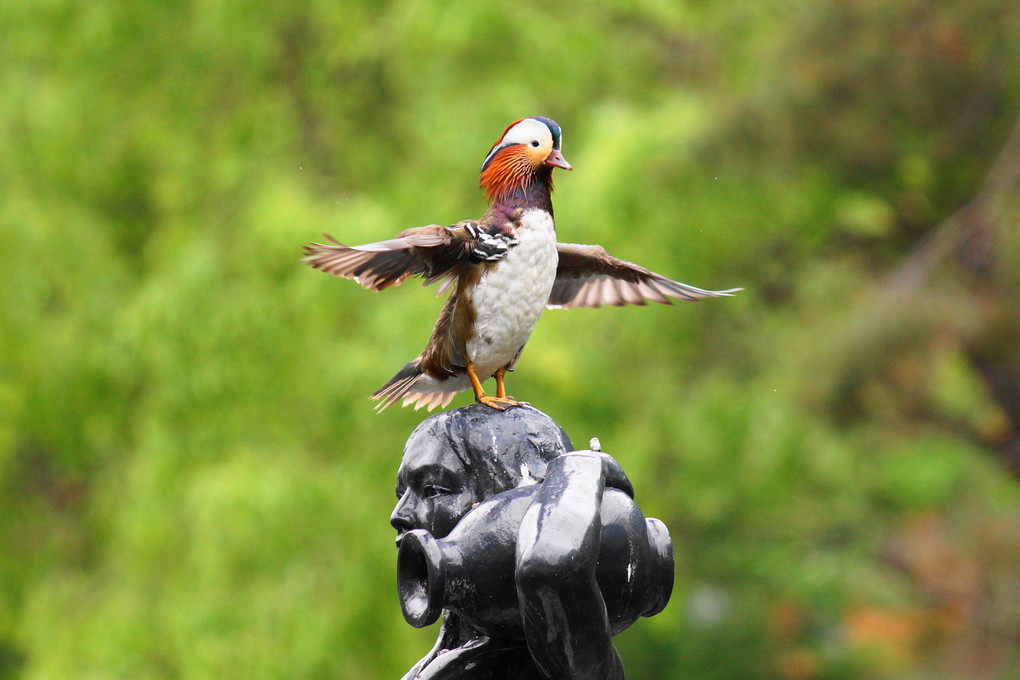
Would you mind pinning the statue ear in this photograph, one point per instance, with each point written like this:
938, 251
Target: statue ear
615, 476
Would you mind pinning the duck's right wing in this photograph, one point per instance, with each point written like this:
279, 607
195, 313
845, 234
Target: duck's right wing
433, 252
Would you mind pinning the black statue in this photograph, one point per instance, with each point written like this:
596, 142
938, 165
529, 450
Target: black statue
535, 554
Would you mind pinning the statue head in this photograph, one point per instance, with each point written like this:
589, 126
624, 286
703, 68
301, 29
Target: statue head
456, 459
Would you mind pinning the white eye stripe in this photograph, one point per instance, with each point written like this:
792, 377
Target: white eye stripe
527, 131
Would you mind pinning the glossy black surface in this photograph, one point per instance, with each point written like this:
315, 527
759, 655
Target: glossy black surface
472, 571
535, 555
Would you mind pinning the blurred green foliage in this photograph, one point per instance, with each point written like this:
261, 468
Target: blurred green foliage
193, 482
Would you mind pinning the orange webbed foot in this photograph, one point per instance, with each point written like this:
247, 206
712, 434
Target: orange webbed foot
500, 403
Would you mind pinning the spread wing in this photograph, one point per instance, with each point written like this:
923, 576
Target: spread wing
588, 276
434, 252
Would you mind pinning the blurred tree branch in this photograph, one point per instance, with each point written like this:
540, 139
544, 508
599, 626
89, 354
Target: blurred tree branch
976, 236
972, 232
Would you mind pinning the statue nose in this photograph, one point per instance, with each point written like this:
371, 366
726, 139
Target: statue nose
401, 517
400, 523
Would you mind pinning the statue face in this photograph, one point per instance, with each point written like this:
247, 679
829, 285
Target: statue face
433, 488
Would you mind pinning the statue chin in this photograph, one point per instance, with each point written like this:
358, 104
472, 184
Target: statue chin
472, 570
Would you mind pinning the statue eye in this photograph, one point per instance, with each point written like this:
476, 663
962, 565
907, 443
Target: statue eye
534, 143
433, 490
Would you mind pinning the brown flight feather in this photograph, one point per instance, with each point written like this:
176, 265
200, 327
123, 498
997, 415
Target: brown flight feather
588, 276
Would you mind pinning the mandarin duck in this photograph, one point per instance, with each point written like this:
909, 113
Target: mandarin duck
504, 268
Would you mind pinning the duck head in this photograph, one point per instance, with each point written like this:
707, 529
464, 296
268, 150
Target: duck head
527, 152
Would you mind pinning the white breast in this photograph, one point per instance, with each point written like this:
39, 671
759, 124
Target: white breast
511, 296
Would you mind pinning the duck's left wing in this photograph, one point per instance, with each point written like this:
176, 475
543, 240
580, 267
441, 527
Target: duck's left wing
588, 276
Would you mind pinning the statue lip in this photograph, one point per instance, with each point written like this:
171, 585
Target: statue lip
399, 538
